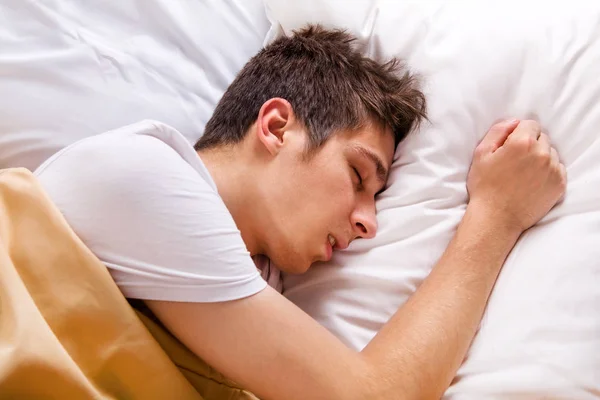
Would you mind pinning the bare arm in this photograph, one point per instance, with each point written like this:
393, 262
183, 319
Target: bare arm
422, 346
275, 350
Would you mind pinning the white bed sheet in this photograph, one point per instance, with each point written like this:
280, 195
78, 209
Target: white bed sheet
74, 68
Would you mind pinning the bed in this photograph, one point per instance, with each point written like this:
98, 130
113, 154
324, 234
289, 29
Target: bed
70, 69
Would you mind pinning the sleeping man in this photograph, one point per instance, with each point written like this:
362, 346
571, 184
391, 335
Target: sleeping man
288, 169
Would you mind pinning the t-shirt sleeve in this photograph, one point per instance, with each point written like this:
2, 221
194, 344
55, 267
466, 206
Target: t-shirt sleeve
156, 223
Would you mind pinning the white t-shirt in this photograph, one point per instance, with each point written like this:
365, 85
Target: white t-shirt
144, 203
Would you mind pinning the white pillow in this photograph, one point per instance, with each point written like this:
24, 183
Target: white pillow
73, 68
480, 61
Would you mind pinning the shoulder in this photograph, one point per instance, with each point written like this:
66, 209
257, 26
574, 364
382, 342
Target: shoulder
144, 157
135, 175
146, 144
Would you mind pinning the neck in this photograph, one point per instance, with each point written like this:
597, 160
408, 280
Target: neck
232, 174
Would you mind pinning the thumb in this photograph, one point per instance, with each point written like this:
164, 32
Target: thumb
498, 134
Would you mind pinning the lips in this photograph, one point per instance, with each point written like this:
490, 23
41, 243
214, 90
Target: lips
331, 244
328, 250
336, 244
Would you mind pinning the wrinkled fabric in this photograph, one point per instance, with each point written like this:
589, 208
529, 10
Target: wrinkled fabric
269, 272
66, 331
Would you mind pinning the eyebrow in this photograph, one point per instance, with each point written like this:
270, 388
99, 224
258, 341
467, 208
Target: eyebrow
381, 171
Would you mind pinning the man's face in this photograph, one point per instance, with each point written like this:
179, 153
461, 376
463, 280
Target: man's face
322, 203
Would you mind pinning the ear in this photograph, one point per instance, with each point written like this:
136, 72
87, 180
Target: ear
275, 118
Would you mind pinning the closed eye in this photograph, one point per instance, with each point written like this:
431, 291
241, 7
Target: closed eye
360, 180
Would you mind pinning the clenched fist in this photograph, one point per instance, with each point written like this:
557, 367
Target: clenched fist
516, 175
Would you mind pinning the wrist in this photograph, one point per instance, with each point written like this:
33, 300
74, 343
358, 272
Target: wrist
492, 218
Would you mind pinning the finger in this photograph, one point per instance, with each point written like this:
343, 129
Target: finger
497, 135
544, 143
563, 178
563, 172
528, 128
554, 156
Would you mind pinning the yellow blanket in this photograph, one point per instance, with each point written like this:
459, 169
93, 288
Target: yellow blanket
66, 331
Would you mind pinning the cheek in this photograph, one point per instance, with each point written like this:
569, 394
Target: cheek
333, 179
336, 195
324, 190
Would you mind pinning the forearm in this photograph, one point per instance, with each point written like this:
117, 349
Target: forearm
420, 349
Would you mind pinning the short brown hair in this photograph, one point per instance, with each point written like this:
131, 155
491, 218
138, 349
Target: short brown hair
329, 84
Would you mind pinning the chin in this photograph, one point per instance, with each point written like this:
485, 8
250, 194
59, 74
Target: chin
296, 269
302, 269
292, 266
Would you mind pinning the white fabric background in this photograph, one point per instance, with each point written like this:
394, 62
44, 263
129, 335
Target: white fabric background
73, 68
480, 61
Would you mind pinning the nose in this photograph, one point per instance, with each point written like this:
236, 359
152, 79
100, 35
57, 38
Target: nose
364, 221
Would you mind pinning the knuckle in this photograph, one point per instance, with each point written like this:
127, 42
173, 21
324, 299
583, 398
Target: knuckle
562, 185
563, 175
523, 143
544, 158
532, 124
560, 176
479, 151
